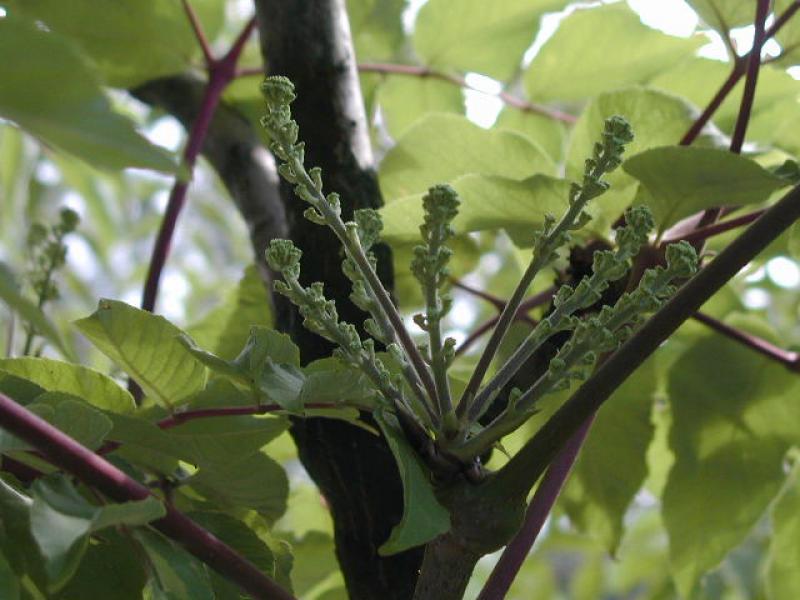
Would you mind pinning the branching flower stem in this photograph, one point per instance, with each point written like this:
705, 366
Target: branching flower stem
525, 468
552, 236
220, 73
67, 454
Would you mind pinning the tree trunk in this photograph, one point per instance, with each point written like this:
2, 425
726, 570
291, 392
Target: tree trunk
309, 42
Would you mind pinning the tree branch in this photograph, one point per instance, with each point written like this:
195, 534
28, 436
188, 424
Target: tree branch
703, 233
67, 454
738, 70
525, 468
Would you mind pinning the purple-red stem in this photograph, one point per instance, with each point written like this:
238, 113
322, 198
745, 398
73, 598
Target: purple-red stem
791, 360
703, 233
220, 73
70, 456
515, 553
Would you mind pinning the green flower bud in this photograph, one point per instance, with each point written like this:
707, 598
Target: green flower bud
284, 257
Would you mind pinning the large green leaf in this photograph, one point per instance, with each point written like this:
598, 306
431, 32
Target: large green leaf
146, 347
612, 464
32, 314
50, 91
178, 574
440, 148
404, 100
600, 49
130, 41
225, 329
423, 517
657, 119
257, 483
782, 576
487, 202
62, 520
18, 544
678, 181
733, 418
55, 376
487, 37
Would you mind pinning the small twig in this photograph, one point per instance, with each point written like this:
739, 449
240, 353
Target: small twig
424, 72
515, 553
703, 233
495, 301
199, 33
75, 459
739, 68
791, 360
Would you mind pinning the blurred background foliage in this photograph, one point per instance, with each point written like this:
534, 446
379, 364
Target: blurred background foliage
490, 93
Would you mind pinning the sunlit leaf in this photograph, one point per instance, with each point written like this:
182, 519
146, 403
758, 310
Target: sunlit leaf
487, 203
600, 49
782, 577
678, 181
486, 37
404, 100
146, 347
440, 148
55, 376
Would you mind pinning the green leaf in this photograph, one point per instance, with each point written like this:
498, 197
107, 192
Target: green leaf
657, 119
226, 328
599, 49
781, 575
61, 521
178, 574
440, 148
18, 544
733, 420
331, 380
423, 517
256, 482
788, 36
129, 41
404, 100
678, 181
549, 133
55, 376
724, 15
314, 561
146, 347
75, 417
28, 311
9, 581
612, 465
486, 37
487, 203
377, 28
110, 563
282, 384
63, 104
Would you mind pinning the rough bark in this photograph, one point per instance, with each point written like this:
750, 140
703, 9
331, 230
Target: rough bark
309, 42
